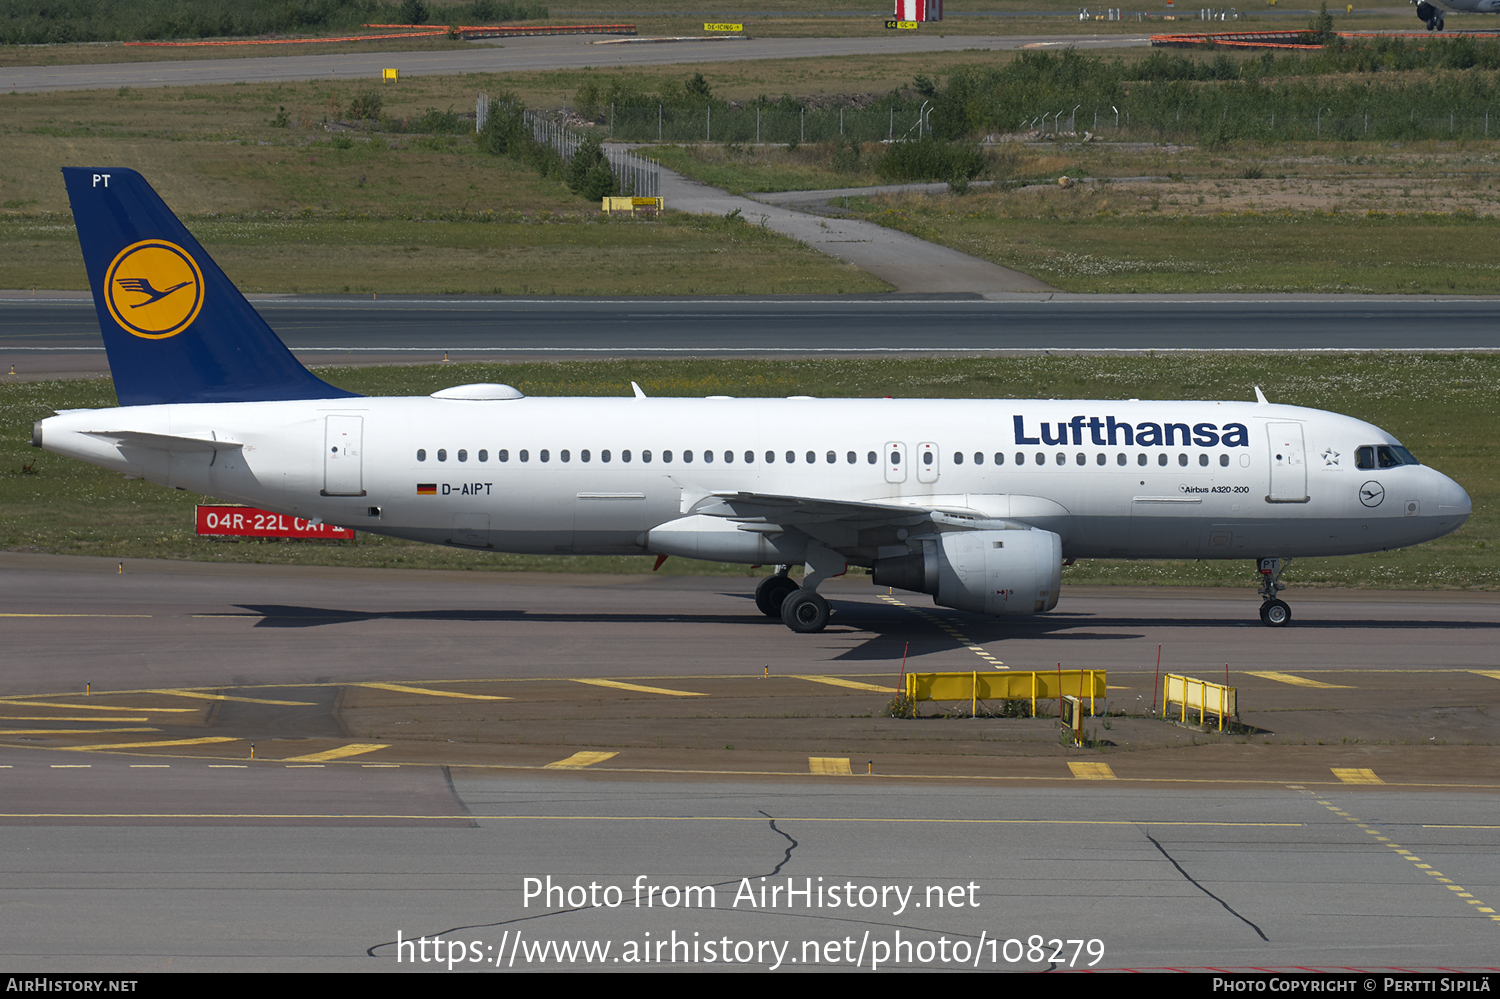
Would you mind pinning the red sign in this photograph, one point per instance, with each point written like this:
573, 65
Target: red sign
248, 522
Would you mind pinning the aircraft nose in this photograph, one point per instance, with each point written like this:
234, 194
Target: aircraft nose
1450, 497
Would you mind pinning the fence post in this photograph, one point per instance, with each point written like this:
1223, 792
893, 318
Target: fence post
802, 126
708, 123
757, 123
658, 121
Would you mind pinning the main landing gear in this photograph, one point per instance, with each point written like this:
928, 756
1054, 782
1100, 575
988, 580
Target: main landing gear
1430, 16
800, 607
1274, 612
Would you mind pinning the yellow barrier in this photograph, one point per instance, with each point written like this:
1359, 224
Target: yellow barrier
1012, 685
1208, 698
390, 75
633, 205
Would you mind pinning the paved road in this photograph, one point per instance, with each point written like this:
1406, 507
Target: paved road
61, 335
1272, 879
516, 55
144, 862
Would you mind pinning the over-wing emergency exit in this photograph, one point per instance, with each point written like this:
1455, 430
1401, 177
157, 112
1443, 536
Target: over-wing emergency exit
978, 503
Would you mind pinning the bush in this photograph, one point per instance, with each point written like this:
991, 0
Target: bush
928, 159
365, 105
413, 12
588, 171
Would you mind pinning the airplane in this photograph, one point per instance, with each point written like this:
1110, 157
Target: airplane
979, 503
1430, 12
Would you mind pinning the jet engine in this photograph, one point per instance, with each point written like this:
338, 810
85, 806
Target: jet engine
985, 572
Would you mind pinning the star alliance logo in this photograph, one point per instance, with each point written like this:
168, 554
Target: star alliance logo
1330, 457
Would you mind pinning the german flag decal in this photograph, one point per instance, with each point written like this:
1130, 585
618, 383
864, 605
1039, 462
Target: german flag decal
426, 488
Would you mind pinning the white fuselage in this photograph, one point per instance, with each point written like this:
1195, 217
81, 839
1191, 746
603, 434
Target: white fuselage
596, 475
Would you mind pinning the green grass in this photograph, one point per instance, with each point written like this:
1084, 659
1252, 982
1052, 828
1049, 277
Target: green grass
1079, 240
1441, 406
544, 255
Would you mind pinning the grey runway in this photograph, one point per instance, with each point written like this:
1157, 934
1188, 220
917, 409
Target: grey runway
74, 620
515, 55
939, 878
326, 329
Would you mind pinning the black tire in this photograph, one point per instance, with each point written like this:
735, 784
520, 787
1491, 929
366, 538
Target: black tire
805, 612
1275, 613
772, 593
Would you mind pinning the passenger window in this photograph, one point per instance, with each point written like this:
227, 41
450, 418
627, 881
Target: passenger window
999, 458
979, 458
545, 455
749, 457
1041, 458
1020, 458
1203, 460
442, 454
604, 456
1083, 459
791, 457
666, 456
1161, 459
728, 457
484, 455
503, 454
1223, 461
422, 454
1120, 458
525, 455
687, 456
770, 457
831, 458
583, 455
463, 455
811, 458
565, 455
645, 456
1140, 459
1062, 459
927, 457
1182, 460
852, 457
895, 457
958, 457
1101, 459
870, 457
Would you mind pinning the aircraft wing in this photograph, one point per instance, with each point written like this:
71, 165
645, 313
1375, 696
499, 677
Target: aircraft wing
857, 527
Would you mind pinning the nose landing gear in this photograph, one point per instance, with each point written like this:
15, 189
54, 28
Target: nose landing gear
1274, 612
1429, 15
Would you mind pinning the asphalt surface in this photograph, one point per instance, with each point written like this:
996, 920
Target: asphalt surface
58, 335
337, 837
518, 55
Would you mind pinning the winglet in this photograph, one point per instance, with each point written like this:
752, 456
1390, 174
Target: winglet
1260, 397
175, 327
637, 389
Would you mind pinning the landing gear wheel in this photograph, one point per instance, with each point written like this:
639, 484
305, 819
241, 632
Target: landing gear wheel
805, 612
1439, 24
1275, 613
772, 592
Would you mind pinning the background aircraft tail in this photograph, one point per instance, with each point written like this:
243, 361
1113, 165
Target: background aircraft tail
175, 327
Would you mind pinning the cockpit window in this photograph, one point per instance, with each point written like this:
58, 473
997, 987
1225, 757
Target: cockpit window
1383, 456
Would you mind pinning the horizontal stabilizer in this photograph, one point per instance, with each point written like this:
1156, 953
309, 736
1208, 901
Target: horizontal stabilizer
165, 442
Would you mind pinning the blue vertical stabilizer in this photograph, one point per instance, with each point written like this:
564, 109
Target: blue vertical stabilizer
175, 328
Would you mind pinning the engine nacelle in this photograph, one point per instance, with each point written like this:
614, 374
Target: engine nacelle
984, 572
720, 540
